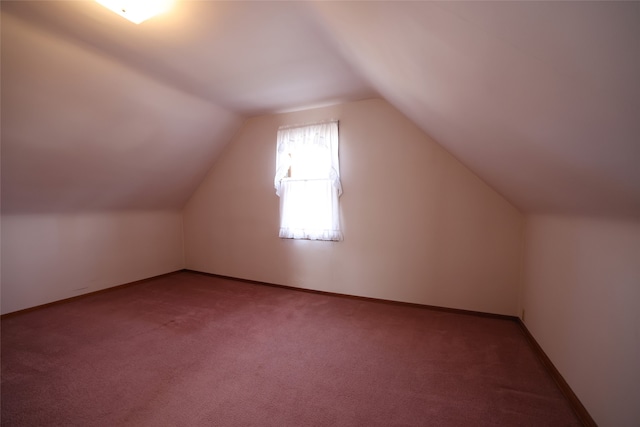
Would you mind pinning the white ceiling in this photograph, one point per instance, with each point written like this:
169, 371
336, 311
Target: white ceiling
540, 99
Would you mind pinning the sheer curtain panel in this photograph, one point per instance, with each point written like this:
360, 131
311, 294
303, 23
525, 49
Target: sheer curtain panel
308, 181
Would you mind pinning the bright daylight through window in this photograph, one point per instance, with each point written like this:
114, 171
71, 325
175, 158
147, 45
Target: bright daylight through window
308, 181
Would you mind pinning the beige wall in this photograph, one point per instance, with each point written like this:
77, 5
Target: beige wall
51, 257
582, 304
418, 226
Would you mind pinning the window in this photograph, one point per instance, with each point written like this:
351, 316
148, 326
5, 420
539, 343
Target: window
308, 181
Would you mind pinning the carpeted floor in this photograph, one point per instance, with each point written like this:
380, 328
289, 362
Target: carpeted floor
193, 350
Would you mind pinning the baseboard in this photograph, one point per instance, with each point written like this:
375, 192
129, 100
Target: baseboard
88, 294
564, 387
378, 300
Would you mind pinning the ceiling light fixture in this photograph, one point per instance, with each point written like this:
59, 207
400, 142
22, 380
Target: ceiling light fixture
137, 11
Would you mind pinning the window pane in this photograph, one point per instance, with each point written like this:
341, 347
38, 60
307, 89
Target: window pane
309, 209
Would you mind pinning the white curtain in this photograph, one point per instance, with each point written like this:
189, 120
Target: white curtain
308, 182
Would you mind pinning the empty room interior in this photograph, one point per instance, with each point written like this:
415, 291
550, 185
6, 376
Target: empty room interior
465, 251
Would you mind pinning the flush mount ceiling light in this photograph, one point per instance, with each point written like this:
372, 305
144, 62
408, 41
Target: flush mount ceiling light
137, 11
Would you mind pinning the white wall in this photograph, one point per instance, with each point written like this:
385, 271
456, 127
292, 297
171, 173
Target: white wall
582, 305
46, 258
418, 226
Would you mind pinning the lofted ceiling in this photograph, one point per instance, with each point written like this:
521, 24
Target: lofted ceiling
540, 99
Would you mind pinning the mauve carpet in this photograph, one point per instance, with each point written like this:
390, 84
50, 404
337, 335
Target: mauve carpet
192, 350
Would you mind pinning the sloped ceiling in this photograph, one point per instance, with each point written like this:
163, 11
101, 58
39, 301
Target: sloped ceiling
540, 99
98, 113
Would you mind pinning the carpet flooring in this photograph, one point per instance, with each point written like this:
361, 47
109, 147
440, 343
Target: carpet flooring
193, 350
